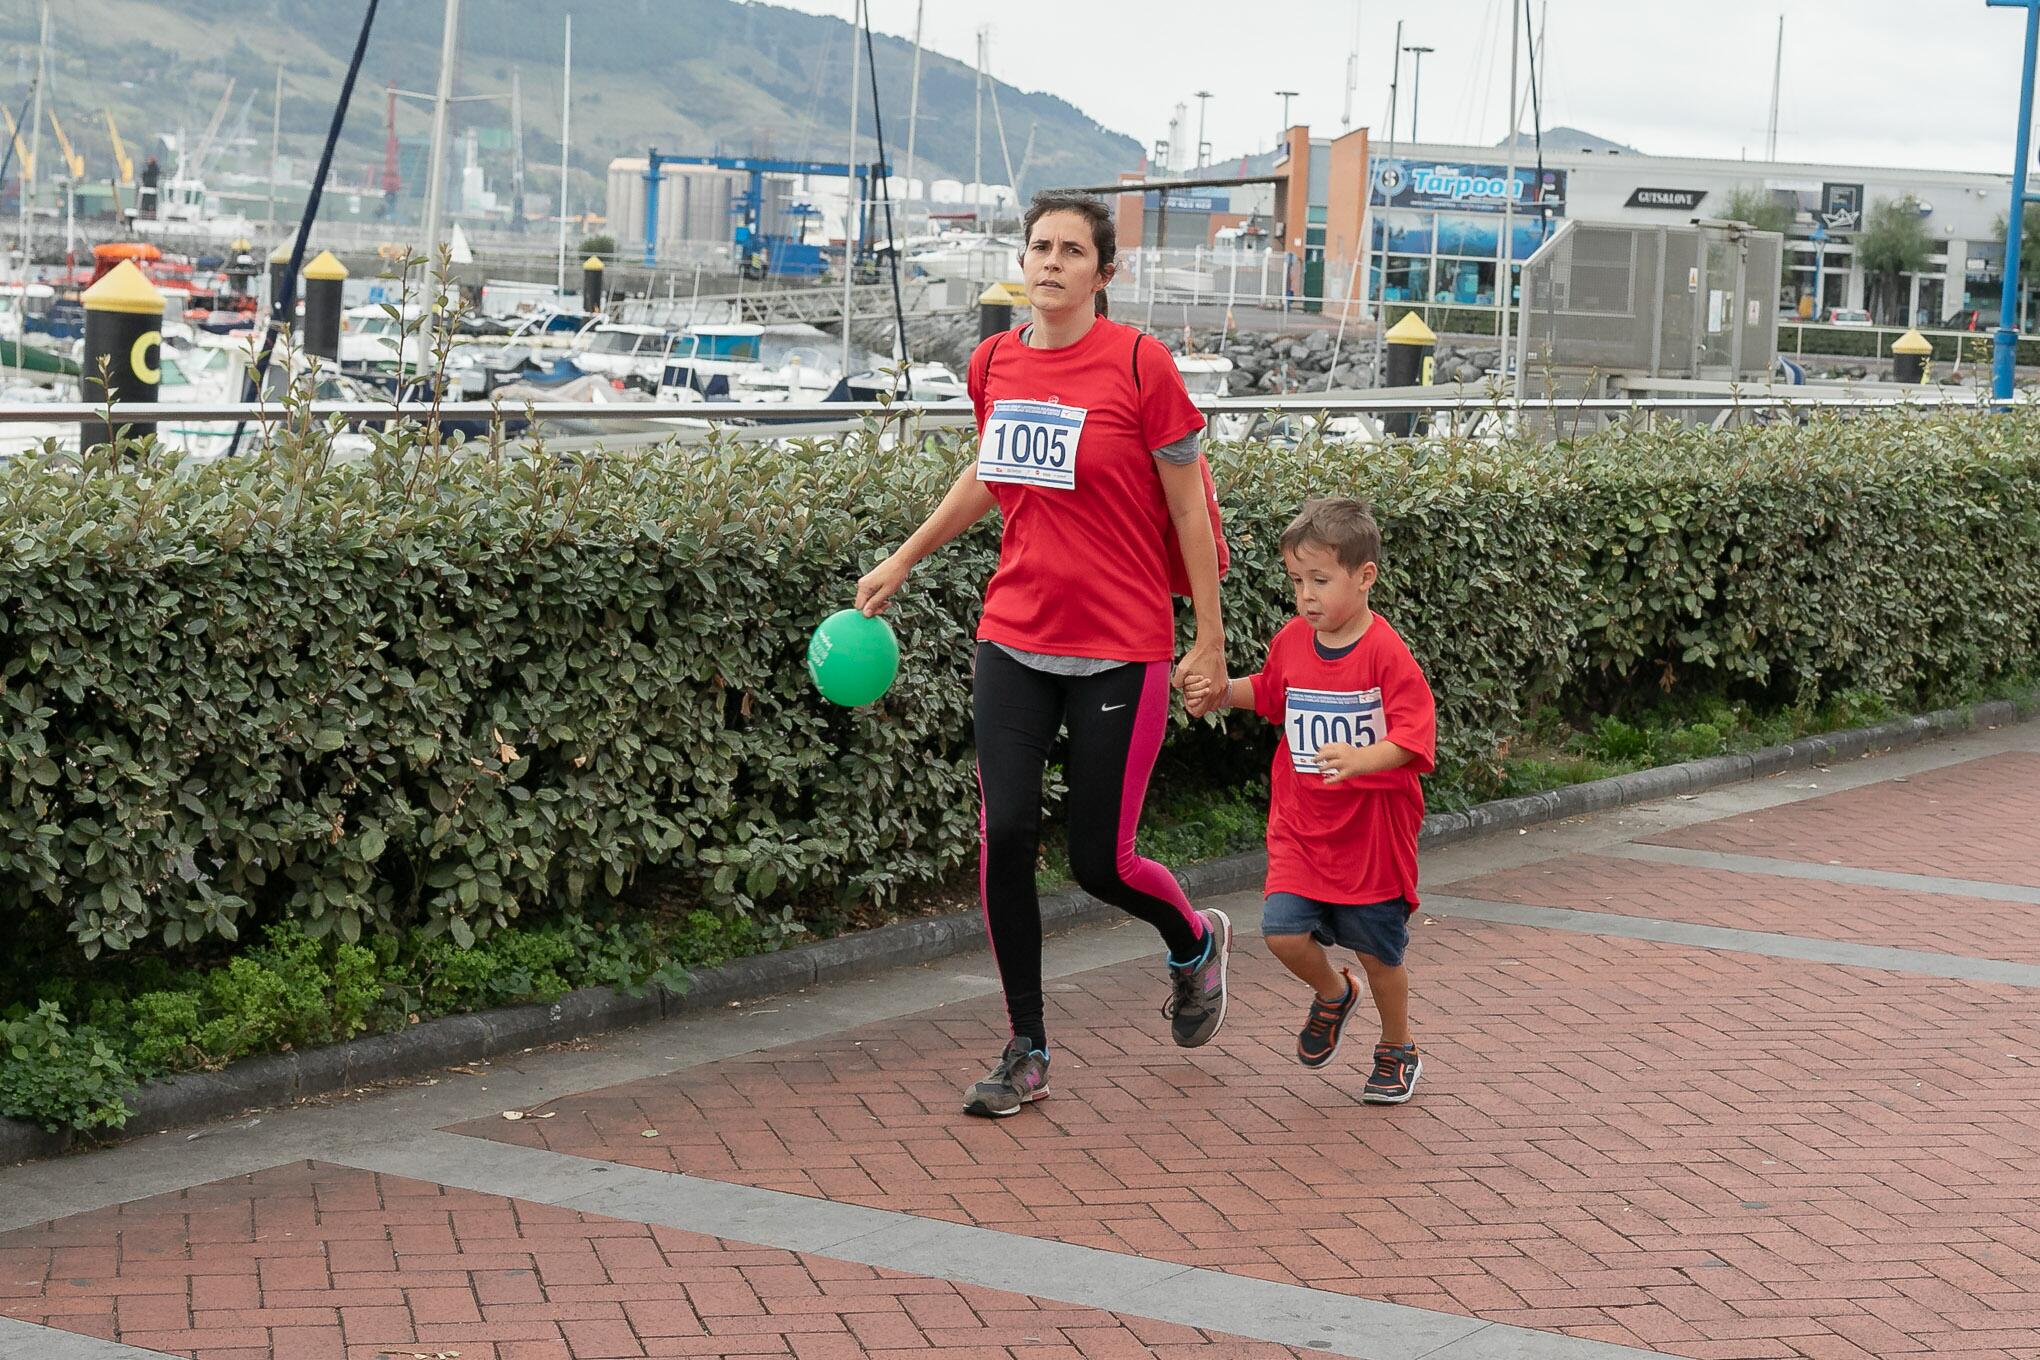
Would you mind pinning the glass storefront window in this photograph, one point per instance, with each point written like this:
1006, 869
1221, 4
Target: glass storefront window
1408, 278
1410, 237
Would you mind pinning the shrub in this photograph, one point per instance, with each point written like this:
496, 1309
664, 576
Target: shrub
58, 1076
434, 691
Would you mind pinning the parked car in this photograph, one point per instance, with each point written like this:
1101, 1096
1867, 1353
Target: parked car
1848, 316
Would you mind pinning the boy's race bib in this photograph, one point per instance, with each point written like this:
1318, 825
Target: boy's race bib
1031, 443
1313, 717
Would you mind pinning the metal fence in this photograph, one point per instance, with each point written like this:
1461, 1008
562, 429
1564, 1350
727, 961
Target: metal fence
1684, 302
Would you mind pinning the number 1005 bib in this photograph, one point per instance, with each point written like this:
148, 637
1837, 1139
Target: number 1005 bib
1312, 717
1031, 443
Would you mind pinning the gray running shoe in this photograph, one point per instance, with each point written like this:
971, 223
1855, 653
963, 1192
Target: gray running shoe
1020, 1077
1196, 1006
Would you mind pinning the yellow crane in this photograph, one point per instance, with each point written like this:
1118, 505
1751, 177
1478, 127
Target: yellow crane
20, 148
72, 160
120, 155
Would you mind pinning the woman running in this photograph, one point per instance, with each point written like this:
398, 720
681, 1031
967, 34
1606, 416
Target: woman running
1088, 446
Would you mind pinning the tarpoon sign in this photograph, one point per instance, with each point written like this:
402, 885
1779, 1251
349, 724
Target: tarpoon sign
1438, 187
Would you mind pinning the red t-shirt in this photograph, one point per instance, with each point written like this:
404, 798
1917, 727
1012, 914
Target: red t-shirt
1084, 554
1353, 842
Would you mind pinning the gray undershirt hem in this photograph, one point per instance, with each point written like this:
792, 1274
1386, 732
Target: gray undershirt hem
1073, 666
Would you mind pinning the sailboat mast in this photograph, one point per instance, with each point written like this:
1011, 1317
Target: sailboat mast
566, 130
1777, 79
913, 110
275, 146
516, 150
435, 185
851, 185
31, 180
977, 143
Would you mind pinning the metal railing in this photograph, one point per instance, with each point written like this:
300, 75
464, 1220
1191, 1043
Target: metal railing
261, 415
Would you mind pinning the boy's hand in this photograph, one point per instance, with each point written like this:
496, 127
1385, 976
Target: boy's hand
1338, 759
1205, 661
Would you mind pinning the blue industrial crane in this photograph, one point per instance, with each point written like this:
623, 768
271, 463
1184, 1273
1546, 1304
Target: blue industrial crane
749, 233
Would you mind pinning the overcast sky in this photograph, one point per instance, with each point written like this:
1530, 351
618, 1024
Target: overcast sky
1929, 83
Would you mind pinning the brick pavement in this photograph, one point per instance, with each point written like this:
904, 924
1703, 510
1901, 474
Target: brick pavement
316, 1262
1793, 906
1695, 1151
1979, 819
1709, 1154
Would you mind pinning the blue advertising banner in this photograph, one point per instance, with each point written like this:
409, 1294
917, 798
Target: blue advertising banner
1184, 201
1467, 187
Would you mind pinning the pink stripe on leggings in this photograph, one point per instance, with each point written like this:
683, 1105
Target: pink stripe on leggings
1150, 725
984, 856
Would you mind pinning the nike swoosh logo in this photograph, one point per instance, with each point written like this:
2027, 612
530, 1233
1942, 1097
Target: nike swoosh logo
1111, 707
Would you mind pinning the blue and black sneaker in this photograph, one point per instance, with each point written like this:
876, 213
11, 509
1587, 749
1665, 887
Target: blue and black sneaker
1196, 1004
1394, 1080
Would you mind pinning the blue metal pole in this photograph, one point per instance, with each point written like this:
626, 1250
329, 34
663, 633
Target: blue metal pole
651, 208
2005, 340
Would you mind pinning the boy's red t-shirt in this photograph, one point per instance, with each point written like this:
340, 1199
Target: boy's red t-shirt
1353, 842
1084, 570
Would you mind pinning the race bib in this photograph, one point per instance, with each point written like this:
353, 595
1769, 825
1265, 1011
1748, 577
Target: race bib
1312, 717
1031, 443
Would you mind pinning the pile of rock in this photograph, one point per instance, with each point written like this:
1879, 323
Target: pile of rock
1263, 361
1273, 362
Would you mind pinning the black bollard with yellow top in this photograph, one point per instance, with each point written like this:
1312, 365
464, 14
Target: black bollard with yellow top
123, 347
995, 308
591, 284
279, 269
1909, 355
323, 278
240, 268
1411, 345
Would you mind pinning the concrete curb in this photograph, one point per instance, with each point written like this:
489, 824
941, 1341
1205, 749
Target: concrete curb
280, 1078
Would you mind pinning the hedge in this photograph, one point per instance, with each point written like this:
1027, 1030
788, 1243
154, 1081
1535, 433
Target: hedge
440, 688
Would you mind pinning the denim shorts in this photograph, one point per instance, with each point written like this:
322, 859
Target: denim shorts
1381, 929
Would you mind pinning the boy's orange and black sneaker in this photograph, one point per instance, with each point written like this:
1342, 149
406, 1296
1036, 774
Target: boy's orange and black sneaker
1396, 1069
1325, 1026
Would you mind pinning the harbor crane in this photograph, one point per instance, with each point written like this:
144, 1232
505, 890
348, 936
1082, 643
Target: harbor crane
120, 155
72, 160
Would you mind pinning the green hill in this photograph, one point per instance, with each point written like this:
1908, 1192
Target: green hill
687, 76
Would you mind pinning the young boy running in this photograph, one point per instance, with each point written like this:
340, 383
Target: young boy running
1358, 728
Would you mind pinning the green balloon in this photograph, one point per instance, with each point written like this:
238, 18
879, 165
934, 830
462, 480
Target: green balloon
853, 659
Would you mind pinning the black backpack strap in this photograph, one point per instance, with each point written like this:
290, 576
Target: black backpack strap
991, 354
1138, 336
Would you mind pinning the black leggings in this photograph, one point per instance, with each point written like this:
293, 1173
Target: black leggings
1116, 722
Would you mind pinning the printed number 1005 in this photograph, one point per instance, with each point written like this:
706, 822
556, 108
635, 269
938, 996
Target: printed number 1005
1035, 445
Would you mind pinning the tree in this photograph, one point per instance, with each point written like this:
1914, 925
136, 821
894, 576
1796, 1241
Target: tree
605, 246
1762, 210
1894, 241
1758, 207
2029, 252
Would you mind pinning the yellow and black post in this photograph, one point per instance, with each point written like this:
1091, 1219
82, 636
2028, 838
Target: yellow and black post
123, 347
323, 278
1411, 347
591, 284
240, 267
1909, 355
995, 308
279, 269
